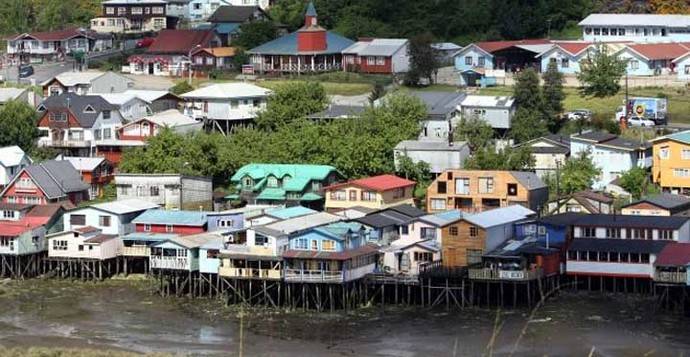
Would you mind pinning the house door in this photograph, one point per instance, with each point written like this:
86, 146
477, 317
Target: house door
450, 257
405, 262
151, 66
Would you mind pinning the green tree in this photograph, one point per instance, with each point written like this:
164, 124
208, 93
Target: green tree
164, 153
18, 125
578, 174
181, 87
255, 33
15, 16
637, 182
527, 92
527, 125
423, 60
475, 131
508, 158
553, 95
292, 101
600, 73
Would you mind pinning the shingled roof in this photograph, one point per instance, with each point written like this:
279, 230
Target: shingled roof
180, 41
235, 14
55, 178
78, 104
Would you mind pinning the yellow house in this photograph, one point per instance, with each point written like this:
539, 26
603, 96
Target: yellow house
671, 162
377, 192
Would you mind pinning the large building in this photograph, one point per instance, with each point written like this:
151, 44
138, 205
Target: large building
126, 16
55, 45
312, 48
636, 28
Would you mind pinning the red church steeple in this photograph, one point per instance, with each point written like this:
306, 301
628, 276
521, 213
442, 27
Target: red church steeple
311, 37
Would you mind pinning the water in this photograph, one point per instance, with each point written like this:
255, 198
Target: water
124, 315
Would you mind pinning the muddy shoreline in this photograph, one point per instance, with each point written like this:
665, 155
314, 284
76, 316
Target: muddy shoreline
127, 316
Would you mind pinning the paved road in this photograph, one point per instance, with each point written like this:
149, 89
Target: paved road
42, 72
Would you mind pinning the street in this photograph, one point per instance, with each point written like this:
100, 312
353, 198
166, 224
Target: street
42, 72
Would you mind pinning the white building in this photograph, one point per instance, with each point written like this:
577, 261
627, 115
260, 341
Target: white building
170, 191
12, 160
84, 243
111, 217
636, 28
226, 105
86, 82
498, 111
549, 153
440, 155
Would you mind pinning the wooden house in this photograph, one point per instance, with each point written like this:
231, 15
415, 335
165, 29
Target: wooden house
170, 191
518, 260
109, 217
86, 82
334, 253
205, 60
227, 19
377, 192
663, 204
84, 243
179, 253
389, 224
131, 16
175, 222
97, 172
671, 264
465, 240
478, 190
378, 55
407, 257
44, 183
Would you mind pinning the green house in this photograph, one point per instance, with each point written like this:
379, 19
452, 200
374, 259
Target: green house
283, 184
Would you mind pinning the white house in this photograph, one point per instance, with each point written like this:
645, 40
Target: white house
549, 153
24, 95
57, 44
84, 243
12, 160
614, 155
440, 155
226, 105
498, 111
111, 217
86, 82
171, 191
635, 28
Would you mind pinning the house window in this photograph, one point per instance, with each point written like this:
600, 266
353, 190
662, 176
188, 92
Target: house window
340, 195
438, 204
260, 240
380, 61
224, 222
59, 245
614, 31
453, 230
106, 134
57, 116
621, 32
147, 228
686, 69
8, 214
613, 232
353, 195
474, 256
512, 189
328, 245
157, 9
104, 221
169, 228
588, 30
301, 243
681, 172
199, 60
441, 187
462, 186
685, 154
155, 190
371, 61
110, 10
81, 247
137, 10
634, 64
486, 185
597, 31
604, 31
368, 196
106, 114
314, 244
542, 230
664, 153
404, 230
474, 232
589, 232
665, 234
481, 60
77, 220
272, 181
565, 63
468, 60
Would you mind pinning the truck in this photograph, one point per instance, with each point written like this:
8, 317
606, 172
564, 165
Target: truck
644, 108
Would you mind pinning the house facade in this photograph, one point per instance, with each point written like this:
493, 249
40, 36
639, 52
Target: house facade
227, 19
12, 160
149, 126
671, 162
496, 111
96, 172
378, 55
375, 192
635, 28
110, 218
440, 155
55, 45
84, 243
648, 59
588, 202
180, 253
131, 16
566, 55
45, 183
549, 153
170, 191
170, 53
476, 190
663, 204
87, 82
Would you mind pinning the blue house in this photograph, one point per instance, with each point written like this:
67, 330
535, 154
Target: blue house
181, 253
225, 220
566, 55
682, 65
390, 224
334, 253
556, 229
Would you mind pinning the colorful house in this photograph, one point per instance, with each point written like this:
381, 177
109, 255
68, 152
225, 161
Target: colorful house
110, 217
84, 243
663, 204
175, 222
95, 171
567, 56
180, 253
671, 162
283, 183
227, 19
310, 49
47, 182
22, 236
56, 45
476, 190
504, 55
647, 59
389, 224
86, 82
149, 126
378, 55
377, 192
170, 191
671, 264
517, 260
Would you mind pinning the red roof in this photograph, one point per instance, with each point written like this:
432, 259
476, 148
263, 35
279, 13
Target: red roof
659, 51
180, 41
56, 35
493, 46
17, 228
378, 183
674, 254
573, 47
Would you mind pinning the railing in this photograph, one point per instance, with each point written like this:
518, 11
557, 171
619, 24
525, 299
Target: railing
293, 67
177, 263
496, 274
64, 143
670, 277
135, 251
392, 279
252, 273
314, 276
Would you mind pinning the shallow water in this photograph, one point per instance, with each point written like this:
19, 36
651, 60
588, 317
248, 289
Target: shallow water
125, 315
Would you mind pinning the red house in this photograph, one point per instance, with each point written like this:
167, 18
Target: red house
95, 171
171, 222
380, 55
47, 182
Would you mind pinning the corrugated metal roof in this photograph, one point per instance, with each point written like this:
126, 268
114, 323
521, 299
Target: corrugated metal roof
227, 91
290, 212
152, 237
499, 216
674, 254
301, 223
385, 47
664, 200
259, 171
11, 156
529, 180
488, 101
439, 104
184, 218
125, 206
429, 145
287, 45
636, 20
442, 218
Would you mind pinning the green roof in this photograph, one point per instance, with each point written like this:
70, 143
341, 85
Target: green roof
296, 184
260, 171
233, 196
272, 194
310, 196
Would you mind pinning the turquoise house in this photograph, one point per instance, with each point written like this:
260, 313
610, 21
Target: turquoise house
209, 261
472, 57
288, 184
180, 253
566, 55
682, 65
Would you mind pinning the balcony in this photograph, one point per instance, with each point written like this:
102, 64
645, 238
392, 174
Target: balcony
313, 276
294, 67
173, 263
136, 251
672, 277
46, 142
512, 275
250, 273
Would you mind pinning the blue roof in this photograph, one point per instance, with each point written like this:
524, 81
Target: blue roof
683, 137
339, 229
182, 218
290, 212
449, 215
227, 28
155, 237
311, 10
287, 45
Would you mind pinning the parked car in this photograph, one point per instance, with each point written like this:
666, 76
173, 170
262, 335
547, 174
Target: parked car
26, 70
636, 121
145, 42
579, 114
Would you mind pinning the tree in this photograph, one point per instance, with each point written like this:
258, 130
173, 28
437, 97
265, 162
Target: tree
18, 125
527, 92
636, 181
527, 125
476, 132
669, 6
508, 158
578, 174
423, 60
553, 95
15, 16
292, 101
255, 33
181, 87
415, 171
600, 73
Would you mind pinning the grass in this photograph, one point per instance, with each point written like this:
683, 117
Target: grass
678, 100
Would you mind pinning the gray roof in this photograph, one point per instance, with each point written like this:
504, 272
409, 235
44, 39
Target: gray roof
594, 136
339, 111
234, 14
7, 94
626, 144
618, 245
439, 104
77, 104
528, 179
499, 216
430, 145
665, 200
56, 178
445, 46
377, 47
636, 20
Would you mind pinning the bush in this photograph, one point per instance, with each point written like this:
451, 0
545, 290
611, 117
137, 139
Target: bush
181, 87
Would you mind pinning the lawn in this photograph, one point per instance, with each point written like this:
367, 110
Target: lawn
332, 88
678, 101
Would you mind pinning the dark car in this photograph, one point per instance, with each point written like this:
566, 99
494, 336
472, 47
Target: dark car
26, 70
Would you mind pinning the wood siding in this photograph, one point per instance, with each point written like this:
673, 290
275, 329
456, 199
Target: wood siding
455, 247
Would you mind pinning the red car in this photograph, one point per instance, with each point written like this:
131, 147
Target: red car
145, 42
